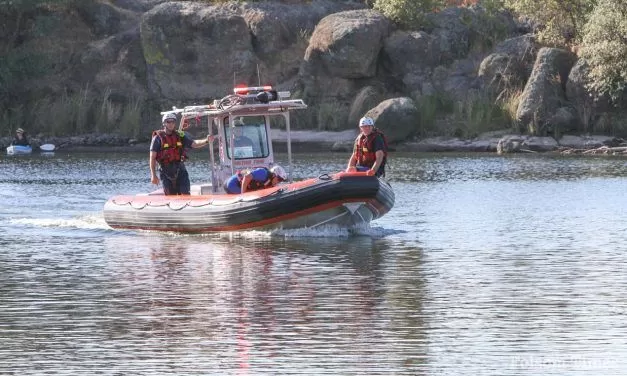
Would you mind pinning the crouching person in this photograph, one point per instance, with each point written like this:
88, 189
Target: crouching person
252, 180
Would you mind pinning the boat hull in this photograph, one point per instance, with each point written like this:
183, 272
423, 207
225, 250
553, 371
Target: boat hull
344, 200
19, 149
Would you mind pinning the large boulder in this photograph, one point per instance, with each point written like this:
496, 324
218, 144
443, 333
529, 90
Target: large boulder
280, 33
194, 51
346, 44
103, 18
49, 43
544, 93
459, 81
342, 55
452, 31
458, 29
367, 98
509, 66
397, 118
114, 65
589, 105
411, 51
444, 55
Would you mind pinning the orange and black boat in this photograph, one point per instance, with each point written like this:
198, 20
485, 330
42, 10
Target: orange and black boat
343, 199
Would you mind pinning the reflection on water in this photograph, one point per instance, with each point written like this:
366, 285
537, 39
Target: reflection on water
486, 266
197, 303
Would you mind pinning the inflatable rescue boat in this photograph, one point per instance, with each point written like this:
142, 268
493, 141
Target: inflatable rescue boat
343, 199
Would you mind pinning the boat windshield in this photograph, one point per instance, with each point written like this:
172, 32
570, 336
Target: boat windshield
251, 140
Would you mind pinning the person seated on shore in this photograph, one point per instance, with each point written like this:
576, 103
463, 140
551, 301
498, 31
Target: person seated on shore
370, 150
20, 138
252, 180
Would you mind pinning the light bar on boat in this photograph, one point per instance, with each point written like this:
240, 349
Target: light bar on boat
262, 94
243, 90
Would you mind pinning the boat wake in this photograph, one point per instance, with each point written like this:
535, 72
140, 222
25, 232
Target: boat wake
97, 222
318, 232
330, 232
85, 222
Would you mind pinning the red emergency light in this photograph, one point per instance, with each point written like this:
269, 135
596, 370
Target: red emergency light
262, 94
244, 90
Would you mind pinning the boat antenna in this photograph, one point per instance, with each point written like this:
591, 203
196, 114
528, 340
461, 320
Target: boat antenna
258, 76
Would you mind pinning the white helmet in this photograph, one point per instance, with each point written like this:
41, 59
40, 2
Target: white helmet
279, 172
168, 116
366, 120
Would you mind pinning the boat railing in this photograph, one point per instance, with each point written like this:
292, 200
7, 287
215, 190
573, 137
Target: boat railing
240, 104
240, 109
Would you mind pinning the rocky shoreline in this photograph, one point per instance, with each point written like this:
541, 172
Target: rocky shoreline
345, 58
501, 142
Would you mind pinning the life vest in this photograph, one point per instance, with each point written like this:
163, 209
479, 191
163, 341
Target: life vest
364, 146
172, 149
22, 142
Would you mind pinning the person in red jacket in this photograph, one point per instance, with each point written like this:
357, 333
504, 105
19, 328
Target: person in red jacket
168, 149
370, 150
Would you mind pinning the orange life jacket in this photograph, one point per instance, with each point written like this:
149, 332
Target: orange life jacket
172, 149
364, 146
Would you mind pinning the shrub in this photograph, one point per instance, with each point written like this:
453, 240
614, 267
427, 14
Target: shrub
605, 49
479, 114
560, 22
407, 13
429, 107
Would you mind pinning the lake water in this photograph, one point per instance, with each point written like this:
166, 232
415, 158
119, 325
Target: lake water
487, 265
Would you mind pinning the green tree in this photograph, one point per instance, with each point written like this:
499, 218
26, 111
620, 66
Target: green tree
604, 48
561, 21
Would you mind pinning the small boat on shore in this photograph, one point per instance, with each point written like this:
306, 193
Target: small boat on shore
342, 199
47, 148
19, 149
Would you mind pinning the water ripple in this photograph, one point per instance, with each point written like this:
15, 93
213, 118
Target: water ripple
487, 265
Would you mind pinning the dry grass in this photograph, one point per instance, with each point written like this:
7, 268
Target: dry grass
75, 113
130, 123
478, 114
331, 116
